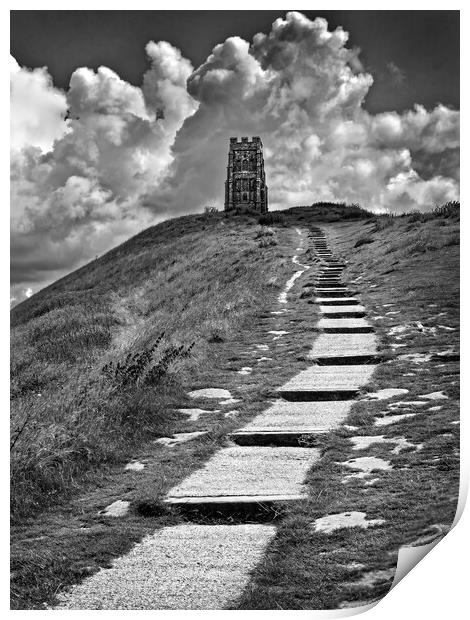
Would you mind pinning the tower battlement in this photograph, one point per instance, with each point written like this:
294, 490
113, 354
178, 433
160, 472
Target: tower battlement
246, 182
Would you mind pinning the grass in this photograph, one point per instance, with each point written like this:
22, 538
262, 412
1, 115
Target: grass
205, 279
308, 570
77, 447
194, 279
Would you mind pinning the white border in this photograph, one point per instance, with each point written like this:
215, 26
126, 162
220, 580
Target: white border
438, 587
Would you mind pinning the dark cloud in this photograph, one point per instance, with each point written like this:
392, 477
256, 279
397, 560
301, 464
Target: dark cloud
397, 75
126, 155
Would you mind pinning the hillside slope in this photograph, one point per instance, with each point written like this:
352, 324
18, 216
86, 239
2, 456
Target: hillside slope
194, 279
212, 281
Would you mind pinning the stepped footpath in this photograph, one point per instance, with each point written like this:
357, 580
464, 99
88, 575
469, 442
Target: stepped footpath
231, 505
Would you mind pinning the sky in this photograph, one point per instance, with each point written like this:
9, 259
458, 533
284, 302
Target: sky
120, 119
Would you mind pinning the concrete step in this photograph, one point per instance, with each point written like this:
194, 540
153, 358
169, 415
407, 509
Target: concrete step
340, 309
302, 417
182, 567
331, 292
350, 314
335, 301
328, 285
234, 508
337, 349
330, 280
319, 383
344, 326
344, 315
240, 471
277, 437
328, 276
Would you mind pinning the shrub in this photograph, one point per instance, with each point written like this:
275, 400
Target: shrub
216, 330
145, 367
264, 232
265, 242
449, 209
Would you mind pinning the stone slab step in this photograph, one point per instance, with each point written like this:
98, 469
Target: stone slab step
328, 293
338, 349
302, 417
186, 566
235, 508
242, 471
332, 289
194, 500
328, 277
340, 309
347, 314
277, 437
327, 383
358, 326
336, 301
330, 285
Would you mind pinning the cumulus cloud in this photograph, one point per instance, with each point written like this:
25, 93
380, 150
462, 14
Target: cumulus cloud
302, 90
97, 163
37, 108
77, 186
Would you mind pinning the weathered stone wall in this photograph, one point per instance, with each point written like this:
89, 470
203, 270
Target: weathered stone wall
246, 182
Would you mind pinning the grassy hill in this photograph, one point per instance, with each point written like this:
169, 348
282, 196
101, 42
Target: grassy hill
102, 359
188, 283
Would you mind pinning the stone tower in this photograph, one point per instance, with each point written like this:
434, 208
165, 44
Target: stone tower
246, 183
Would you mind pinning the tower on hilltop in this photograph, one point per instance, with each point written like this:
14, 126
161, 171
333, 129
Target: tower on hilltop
246, 182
